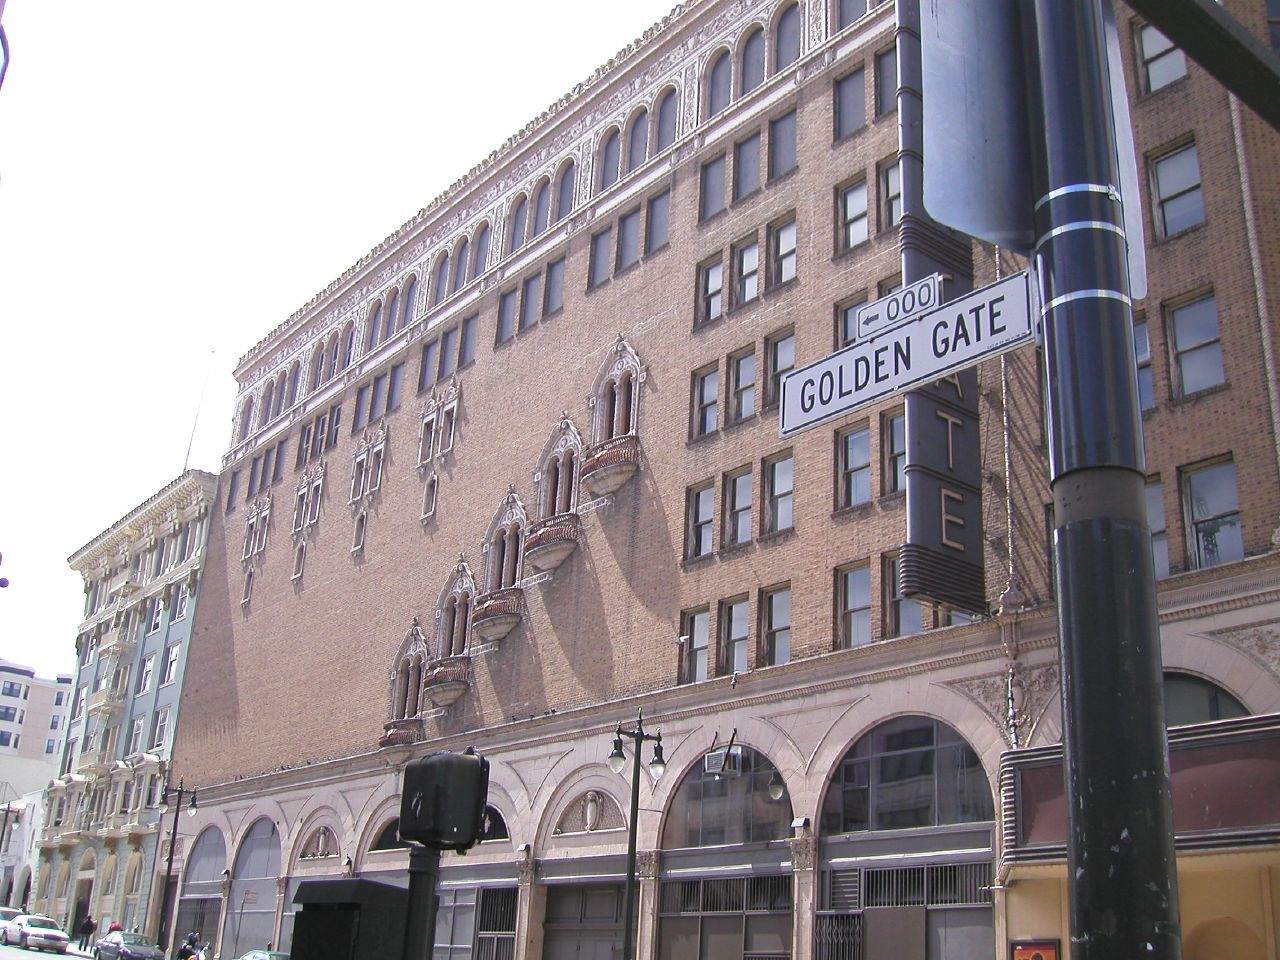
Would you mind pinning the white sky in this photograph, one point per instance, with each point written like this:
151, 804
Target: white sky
176, 179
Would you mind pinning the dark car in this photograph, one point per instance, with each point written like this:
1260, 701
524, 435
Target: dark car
127, 946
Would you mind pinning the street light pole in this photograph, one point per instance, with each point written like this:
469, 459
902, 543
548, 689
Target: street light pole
168, 870
657, 767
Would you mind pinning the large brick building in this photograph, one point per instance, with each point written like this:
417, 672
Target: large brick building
517, 474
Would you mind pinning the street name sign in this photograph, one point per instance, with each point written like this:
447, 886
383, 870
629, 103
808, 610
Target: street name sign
979, 325
898, 307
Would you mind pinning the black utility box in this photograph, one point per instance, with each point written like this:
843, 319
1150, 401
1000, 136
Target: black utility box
348, 920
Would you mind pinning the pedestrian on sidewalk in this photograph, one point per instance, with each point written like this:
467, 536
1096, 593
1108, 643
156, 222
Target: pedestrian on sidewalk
87, 927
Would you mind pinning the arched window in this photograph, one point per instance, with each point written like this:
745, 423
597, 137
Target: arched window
786, 38
907, 772
268, 395
282, 382
440, 285
613, 398
388, 838
460, 265
321, 843
295, 378
505, 544
638, 141
331, 358
412, 662
253, 878
495, 828
541, 208
200, 901
410, 297
348, 345
519, 218
317, 366
390, 315
454, 616
718, 83
246, 419
564, 191
728, 797
480, 257
1191, 699
558, 471
753, 60
609, 151
375, 327
667, 105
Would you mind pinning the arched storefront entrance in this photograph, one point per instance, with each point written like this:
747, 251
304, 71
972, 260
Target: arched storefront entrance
201, 900
251, 907
726, 884
906, 842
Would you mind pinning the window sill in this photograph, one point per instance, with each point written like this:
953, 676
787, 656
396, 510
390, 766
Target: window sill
707, 220
731, 549
778, 178
628, 268
734, 425
845, 253
706, 323
693, 563
704, 437
892, 499
1147, 96
841, 139
856, 509
746, 198
778, 289
1193, 398
1189, 231
777, 536
593, 287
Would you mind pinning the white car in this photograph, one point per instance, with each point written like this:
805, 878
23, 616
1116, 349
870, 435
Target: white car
32, 930
7, 916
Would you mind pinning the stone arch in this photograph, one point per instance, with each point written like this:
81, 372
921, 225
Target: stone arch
409, 304
517, 223
666, 118
200, 895
615, 396
1224, 938
440, 278
453, 611
717, 83
557, 476
504, 542
566, 189
255, 872
540, 218
382, 813
752, 58
590, 811
757, 772
461, 261
637, 139
480, 250
580, 775
608, 158
246, 420
786, 30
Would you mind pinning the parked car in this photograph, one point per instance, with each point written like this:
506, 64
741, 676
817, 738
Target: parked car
264, 955
7, 916
32, 930
127, 946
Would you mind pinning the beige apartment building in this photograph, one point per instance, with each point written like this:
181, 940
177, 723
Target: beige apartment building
517, 475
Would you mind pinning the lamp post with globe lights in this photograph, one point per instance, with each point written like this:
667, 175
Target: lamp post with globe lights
657, 767
161, 930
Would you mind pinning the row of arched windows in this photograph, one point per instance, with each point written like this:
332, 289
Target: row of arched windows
780, 50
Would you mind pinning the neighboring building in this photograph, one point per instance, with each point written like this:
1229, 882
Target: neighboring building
33, 728
517, 474
99, 846
19, 851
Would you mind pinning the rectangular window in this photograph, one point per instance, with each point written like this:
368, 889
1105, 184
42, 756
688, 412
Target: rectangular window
136, 734
395, 386
1142, 358
313, 501
851, 103
357, 537
780, 357
712, 183
447, 425
849, 12
852, 211
629, 239
894, 441
711, 289
448, 353
742, 384
232, 485
746, 166
776, 606
701, 511
553, 298
746, 260
706, 396
737, 508
299, 561
148, 670
782, 145
184, 591
891, 196
847, 320
11, 689
8, 714
426, 440
902, 615
779, 478
361, 417
429, 497
886, 82
157, 611
601, 256
162, 729
782, 247
531, 301
733, 637
300, 508
854, 595
1212, 508
1159, 533
50, 746
1162, 62
855, 466
171, 657
658, 222
377, 399
1179, 204
695, 628
467, 346
507, 316
1196, 349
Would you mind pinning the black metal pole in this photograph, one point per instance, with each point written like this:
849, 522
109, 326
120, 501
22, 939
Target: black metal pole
420, 918
168, 872
1121, 867
629, 917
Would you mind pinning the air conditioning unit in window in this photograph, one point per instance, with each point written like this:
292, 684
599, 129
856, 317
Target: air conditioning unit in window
725, 762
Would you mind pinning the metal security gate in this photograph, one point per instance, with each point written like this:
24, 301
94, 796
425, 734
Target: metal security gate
739, 918
496, 924
955, 897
